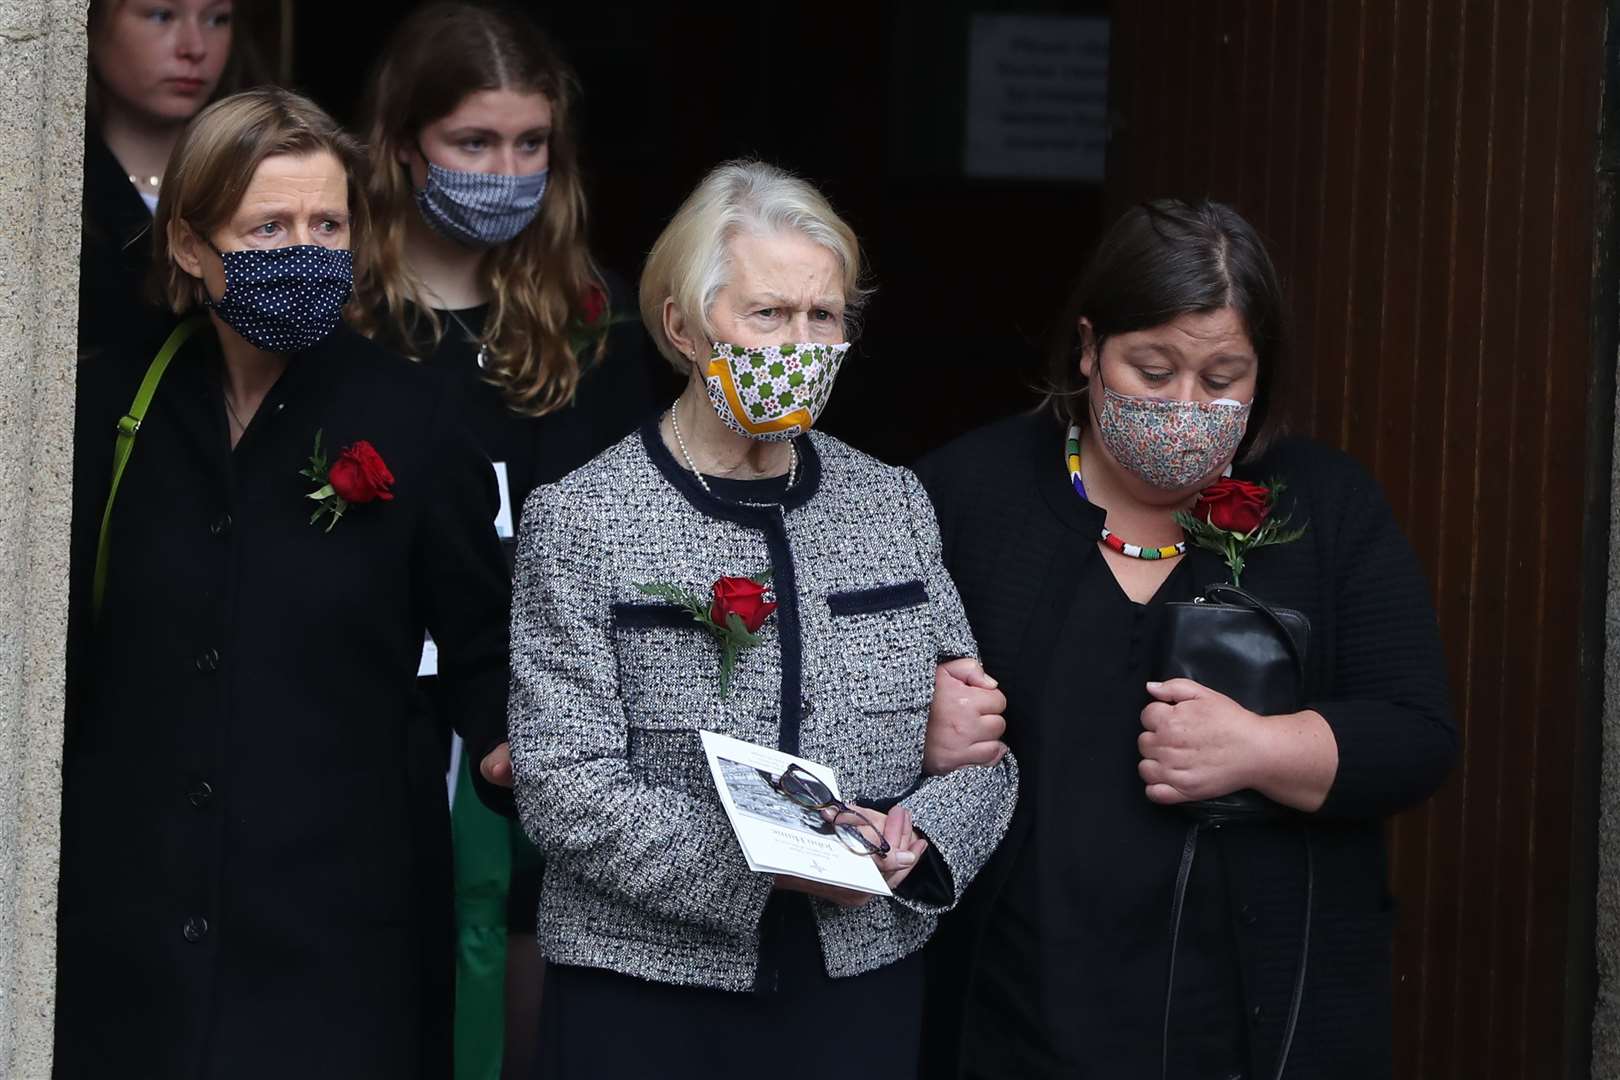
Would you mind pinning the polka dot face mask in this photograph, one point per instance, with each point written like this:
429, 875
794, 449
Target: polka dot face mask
773, 393
286, 299
1170, 444
480, 210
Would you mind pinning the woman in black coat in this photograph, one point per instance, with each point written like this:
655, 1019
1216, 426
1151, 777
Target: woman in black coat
255, 861
1060, 530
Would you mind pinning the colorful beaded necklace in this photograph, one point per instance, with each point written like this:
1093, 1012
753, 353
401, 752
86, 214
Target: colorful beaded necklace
1071, 453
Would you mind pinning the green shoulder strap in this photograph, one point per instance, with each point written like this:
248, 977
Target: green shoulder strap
127, 427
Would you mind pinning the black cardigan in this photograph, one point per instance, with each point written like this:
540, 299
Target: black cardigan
1022, 547
255, 861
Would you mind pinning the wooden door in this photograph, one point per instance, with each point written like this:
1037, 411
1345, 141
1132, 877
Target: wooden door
1424, 173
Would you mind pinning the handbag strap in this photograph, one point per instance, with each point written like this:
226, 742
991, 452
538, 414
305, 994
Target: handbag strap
128, 425
1232, 594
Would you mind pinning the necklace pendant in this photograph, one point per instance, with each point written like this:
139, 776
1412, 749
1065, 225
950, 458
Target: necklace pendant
483, 358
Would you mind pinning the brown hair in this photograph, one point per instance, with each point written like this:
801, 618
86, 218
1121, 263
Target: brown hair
1167, 258
215, 160
542, 280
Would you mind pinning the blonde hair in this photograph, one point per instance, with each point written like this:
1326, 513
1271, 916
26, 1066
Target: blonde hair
215, 160
543, 280
691, 262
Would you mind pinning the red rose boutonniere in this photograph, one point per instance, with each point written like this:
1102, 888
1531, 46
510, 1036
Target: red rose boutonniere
734, 612
1233, 517
588, 331
359, 475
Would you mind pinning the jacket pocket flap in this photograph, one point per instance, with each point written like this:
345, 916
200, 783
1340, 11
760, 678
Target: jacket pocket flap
628, 615
883, 598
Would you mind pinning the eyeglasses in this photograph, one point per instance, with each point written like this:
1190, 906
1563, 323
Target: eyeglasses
804, 789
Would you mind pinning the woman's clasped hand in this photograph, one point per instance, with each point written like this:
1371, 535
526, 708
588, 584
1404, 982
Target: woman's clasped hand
1197, 743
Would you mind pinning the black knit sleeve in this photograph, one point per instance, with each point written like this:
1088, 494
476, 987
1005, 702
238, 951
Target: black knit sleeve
1386, 697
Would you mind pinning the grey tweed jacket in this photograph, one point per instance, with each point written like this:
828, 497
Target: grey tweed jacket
609, 689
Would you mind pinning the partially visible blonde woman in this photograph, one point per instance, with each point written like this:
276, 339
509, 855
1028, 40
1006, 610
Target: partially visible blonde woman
254, 852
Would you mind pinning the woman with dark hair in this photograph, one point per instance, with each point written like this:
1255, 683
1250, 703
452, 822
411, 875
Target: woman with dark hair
1064, 532
153, 65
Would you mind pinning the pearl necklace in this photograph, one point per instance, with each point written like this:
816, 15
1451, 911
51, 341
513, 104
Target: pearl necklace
153, 182
793, 460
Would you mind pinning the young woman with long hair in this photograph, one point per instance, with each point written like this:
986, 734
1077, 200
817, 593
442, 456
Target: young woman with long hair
478, 266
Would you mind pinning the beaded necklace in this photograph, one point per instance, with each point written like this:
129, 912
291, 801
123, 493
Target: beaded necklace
1071, 453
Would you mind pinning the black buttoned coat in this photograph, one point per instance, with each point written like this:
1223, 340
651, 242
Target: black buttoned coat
255, 872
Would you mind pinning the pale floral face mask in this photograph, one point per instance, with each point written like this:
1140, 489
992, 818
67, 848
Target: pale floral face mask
772, 393
1171, 444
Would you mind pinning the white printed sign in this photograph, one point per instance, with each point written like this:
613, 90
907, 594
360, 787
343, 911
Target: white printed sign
1037, 97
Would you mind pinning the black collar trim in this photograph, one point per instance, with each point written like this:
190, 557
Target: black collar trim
686, 482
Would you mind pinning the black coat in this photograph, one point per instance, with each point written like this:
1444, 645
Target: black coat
115, 258
1055, 965
255, 872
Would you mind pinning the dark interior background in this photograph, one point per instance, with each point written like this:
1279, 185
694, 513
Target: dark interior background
864, 99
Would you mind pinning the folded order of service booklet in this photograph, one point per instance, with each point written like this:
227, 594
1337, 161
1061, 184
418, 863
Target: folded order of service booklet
778, 836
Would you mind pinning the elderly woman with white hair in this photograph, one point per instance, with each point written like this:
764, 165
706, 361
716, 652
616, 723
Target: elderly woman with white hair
668, 956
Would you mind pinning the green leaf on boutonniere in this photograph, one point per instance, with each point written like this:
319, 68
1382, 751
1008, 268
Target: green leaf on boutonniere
681, 598
316, 471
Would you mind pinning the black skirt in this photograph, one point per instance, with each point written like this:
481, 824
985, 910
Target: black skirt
800, 1022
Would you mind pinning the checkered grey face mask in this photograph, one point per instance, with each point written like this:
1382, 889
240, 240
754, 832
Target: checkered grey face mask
480, 210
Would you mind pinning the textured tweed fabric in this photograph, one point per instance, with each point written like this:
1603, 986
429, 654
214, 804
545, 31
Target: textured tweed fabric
609, 690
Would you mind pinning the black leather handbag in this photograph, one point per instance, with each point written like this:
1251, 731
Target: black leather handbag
1235, 643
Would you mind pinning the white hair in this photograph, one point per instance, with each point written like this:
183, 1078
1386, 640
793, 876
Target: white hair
691, 262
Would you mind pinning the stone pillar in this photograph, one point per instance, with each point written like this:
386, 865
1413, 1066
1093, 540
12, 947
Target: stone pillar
42, 79
1606, 1014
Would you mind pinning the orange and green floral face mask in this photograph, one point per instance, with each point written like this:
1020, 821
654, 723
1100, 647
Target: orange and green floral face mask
775, 392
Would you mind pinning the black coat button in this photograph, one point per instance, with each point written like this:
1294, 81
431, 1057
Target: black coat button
1256, 1014
195, 930
220, 525
1247, 916
208, 660
199, 795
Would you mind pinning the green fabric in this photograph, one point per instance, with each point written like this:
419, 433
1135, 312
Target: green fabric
127, 427
483, 862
